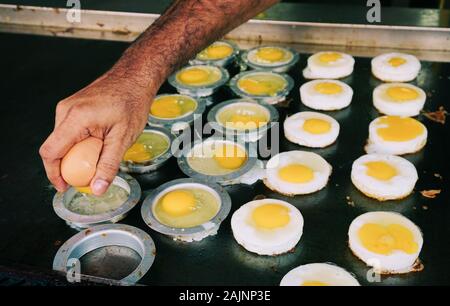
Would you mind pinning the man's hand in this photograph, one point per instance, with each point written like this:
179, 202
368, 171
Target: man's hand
111, 108
115, 107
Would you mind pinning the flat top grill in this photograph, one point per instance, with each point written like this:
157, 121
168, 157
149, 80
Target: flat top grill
39, 71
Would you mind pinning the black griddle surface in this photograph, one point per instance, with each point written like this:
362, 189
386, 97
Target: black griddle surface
39, 71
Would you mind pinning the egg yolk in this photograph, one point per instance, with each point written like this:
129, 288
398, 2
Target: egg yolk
270, 54
244, 121
386, 239
316, 126
178, 203
166, 107
137, 153
229, 156
380, 170
216, 52
314, 283
396, 61
328, 88
329, 57
259, 87
193, 76
86, 189
398, 128
271, 216
401, 93
296, 173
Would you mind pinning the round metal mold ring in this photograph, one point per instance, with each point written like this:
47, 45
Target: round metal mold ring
280, 68
199, 91
152, 164
79, 221
221, 62
108, 235
180, 121
267, 99
190, 234
246, 135
250, 149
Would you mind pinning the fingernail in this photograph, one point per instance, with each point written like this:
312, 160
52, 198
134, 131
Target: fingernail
99, 186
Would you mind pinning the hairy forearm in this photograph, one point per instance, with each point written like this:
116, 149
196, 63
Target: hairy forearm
184, 29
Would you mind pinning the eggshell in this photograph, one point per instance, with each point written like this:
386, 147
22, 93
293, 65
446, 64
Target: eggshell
80, 163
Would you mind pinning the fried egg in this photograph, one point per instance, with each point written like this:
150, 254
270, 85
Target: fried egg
172, 106
384, 177
218, 50
198, 75
270, 56
386, 241
149, 145
396, 135
329, 65
186, 207
311, 129
273, 58
326, 94
297, 172
267, 227
395, 67
244, 115
319, 274
262, 84
217, 158
399, 99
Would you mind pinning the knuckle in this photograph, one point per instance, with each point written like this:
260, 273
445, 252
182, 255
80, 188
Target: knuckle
45, 151
61, 107
108, 167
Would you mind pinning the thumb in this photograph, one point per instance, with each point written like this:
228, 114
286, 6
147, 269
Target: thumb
108, 163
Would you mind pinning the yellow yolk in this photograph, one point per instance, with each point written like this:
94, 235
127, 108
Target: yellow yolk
314, 283
166, 107
256, 87
218, 51
328, 88
193, 76
86, 189
386, 239
270, 54
242, 121
271, 216
137, 153
329, 57
380, 170
316, 126
178, 203
396, 61
401, 93
296, 173
229, 156
399, 129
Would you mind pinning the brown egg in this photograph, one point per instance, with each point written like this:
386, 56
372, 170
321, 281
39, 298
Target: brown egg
80, 163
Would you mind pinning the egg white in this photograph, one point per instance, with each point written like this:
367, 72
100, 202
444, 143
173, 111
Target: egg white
399, 186
318, 101
386, 105
376, 144
262, 241
384, 71
397, 261
329, 274
321, 169
294, 132
340, 68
